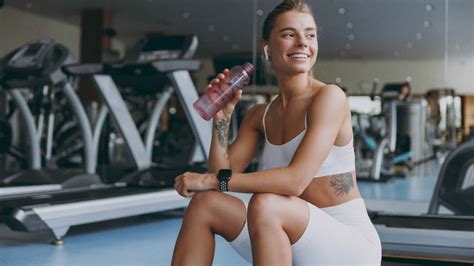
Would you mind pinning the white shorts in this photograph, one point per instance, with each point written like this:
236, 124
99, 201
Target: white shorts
341, 234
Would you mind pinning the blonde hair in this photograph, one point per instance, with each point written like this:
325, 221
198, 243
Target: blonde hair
284, 6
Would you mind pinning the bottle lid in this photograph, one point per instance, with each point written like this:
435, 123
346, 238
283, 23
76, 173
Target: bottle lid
248, 67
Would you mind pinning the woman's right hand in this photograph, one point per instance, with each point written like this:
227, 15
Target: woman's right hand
226, 112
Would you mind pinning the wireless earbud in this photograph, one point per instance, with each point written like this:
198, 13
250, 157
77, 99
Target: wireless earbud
265, 52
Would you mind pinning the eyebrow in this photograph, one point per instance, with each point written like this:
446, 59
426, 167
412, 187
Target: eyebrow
293, 29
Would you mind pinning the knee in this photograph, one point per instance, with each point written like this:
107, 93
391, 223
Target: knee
200, 203
202, 199
262, 210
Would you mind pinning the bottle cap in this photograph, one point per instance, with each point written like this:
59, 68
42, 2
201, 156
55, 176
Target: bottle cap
248, 67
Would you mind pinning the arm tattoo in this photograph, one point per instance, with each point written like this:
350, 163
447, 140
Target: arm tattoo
226, 154
222, 128
342, 183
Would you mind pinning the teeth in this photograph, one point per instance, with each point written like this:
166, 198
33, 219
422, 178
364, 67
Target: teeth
298, 56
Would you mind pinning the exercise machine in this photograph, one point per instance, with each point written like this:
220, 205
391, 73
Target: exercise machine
149, 188
36, 67
387, 144
436, 237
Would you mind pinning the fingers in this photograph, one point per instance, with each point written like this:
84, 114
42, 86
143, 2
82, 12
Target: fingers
236, 98
181, 186
229, 108
218, 78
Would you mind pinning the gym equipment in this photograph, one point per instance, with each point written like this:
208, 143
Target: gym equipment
455, 185
443, 117
434, 238
428, 239
147, 190
36, 67
387, 151
5, 136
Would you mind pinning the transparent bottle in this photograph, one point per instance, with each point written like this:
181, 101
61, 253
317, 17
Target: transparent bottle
223, 92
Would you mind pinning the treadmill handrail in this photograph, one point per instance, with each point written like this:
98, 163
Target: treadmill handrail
119, 112
110, 69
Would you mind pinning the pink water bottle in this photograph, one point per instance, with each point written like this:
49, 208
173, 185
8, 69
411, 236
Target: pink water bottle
222, 93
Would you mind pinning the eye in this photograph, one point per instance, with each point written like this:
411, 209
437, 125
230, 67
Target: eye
311, 36
288, 35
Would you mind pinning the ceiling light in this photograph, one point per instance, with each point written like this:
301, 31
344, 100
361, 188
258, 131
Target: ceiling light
427, 24
260, 12
349, 25
408, 79
341, 11
428, 8
186, 15
211, 28
419, 36
351, 37
338, 80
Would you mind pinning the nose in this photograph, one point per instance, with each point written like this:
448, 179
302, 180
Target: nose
302, 41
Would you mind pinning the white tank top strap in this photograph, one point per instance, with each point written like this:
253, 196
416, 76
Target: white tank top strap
263, 118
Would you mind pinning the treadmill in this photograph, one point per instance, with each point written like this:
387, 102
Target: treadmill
147, 190
436, 238
37, 66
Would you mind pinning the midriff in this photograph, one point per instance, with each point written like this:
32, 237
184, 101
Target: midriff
321, 194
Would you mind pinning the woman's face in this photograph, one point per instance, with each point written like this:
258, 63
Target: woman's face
293, 44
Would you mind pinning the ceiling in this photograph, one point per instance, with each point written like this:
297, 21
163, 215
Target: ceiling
360, 29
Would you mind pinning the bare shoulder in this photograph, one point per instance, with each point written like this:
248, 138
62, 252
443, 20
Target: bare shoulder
328, 98
254, 115
330, 92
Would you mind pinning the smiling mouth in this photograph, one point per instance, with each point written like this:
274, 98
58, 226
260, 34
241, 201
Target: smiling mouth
298, 56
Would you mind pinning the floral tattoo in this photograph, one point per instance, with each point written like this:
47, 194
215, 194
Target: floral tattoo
342, 183
222, 128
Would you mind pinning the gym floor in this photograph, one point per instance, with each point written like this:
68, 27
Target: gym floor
149, 239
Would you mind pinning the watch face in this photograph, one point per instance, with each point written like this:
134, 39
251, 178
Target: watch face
224, 174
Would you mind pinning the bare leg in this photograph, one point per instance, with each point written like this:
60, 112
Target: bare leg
208, 213
275, 222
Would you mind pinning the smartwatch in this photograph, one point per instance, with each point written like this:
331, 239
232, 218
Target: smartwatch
224, 176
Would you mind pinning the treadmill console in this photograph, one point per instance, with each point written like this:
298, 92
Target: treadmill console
154, 48
31, 56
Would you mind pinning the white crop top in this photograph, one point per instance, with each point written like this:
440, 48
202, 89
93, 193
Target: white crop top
339, 160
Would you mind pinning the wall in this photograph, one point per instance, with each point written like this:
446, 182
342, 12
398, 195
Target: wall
18, 27
357, 75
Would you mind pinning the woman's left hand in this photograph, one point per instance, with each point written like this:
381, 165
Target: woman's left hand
187, 184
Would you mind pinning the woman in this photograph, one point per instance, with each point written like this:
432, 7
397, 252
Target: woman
306, 207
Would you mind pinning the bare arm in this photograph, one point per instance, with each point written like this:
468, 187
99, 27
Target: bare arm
325, 117
238, 155
219, 153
